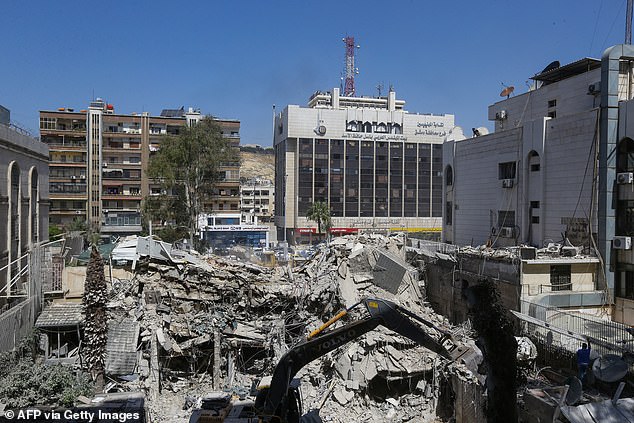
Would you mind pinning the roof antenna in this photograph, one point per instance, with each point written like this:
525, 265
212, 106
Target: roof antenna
379, 88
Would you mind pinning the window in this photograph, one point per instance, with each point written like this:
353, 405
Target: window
552, 114
535, 167
506, 218
552, 103
135, 159
48, 123
560, 277
534, 204
535, 219
506, 170
449, 176
448, 213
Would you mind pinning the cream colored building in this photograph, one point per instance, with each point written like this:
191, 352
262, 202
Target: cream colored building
377, 166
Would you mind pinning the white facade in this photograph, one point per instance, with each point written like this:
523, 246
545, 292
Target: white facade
257, 200
538, 166
572, 144
377, 166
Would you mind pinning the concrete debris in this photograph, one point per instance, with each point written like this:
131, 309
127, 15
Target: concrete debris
210, 324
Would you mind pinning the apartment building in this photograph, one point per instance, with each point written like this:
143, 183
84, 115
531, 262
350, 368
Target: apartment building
99, 158
257, 199
377, 166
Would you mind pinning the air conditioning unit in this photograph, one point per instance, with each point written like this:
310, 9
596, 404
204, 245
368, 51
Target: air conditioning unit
508, 183
625, 178
78, 211
622, 243
507, 232
595, 88
73, 177
82, 176
501, 115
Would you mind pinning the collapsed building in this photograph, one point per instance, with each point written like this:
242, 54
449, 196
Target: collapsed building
183, 326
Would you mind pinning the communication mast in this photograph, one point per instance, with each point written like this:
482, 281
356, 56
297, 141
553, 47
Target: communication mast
349, 69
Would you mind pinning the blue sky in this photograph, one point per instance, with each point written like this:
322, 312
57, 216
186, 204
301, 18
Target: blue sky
236, 59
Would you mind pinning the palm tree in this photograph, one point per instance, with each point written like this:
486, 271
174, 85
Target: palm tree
319, 213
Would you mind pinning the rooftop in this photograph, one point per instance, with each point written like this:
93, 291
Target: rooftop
566, 71
60, 314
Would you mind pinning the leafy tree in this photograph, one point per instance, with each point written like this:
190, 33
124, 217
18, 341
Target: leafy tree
319, 213
96, 327
77, 225
188, 167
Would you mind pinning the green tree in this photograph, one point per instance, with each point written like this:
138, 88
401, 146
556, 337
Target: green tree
96, 326
188, 167
320, 214
54, 232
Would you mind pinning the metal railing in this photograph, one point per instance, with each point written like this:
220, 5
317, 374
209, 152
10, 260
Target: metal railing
567, 329
433, 246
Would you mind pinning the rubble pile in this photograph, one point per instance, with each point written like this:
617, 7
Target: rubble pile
218, 324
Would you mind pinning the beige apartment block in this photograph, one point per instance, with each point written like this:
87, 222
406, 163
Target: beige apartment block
99, 159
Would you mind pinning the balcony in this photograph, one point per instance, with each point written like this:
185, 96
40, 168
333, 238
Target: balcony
66, 146
121, 228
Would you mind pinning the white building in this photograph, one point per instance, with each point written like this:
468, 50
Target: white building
377, 166
559, 165
257, 199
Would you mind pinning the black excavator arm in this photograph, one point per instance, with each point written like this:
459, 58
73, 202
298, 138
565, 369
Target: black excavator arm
381, 312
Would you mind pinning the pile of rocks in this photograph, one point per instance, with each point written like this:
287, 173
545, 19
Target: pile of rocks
213, 323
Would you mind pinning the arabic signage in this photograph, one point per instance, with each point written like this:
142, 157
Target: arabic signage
374, 137
431, 128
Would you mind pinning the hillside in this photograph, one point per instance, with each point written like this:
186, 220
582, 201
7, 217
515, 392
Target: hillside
257, 164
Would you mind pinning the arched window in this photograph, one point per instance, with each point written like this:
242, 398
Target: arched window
352, 126
367, 127
449, 176
533, 161
396, 128
34, 197
381, 128
14, 202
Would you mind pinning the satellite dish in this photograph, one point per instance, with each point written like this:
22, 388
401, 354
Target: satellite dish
609, 368
506, 92
551, 66
482, 130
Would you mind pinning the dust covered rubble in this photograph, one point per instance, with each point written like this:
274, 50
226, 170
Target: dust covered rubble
257, 313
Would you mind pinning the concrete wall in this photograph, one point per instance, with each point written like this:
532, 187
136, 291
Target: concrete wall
536, 277
17, 323
565, 149
73, 279
27, 153
571, 96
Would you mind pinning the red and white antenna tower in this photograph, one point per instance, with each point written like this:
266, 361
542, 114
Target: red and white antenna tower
349, 68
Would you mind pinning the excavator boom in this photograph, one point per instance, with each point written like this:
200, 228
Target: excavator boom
381, 312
